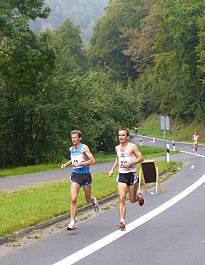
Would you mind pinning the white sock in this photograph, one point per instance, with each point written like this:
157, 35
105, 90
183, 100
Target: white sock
122, 221
72, 222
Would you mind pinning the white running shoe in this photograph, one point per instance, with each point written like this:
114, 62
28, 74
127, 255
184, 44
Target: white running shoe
95, 205
71, 227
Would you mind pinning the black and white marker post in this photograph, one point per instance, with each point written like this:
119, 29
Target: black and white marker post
173, 144
165, 145
167, 157
140, 141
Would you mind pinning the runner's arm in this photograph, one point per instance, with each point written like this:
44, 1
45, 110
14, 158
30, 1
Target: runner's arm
114, 165
88, 153
139, 156
66, 164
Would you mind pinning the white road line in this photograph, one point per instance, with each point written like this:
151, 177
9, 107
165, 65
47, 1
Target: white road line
195, 154
73, 258
170, 141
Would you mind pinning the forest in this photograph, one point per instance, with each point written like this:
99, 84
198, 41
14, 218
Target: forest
144, 57
81, 13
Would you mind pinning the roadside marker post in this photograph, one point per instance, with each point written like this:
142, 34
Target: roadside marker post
168, 153
173, 144
140, 141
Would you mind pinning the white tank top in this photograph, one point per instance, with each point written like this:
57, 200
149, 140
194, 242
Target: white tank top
125, 157
195, 138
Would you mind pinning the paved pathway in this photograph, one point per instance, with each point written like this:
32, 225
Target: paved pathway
35, 179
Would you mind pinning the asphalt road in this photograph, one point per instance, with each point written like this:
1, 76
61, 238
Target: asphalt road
169, 229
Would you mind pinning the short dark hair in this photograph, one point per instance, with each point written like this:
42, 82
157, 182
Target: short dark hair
127, 132
78, 132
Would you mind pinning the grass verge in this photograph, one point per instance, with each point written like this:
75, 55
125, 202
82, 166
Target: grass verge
28, 207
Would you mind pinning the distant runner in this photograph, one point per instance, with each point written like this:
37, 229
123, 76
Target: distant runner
195, 139
136, 130
128, 156
81, 158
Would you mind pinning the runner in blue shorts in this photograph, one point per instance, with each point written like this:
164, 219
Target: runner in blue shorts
81, 158
128, 156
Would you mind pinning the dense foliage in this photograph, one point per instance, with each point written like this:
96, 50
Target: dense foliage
47, 90
145, 56
162, 43
25, 64
82, 13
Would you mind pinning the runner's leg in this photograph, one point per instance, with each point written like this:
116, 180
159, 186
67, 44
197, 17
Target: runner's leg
89, 198
133, 193
133, 196
74, 189
122, 191
87, 191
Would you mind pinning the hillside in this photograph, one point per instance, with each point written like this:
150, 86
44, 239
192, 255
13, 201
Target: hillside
80, 12
179, 130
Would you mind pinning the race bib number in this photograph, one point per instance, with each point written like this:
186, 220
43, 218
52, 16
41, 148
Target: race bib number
123, 161
77, 158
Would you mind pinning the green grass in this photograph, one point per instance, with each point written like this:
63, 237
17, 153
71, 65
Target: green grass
148, 152
27, 170
100, 158
168, 168
28, 207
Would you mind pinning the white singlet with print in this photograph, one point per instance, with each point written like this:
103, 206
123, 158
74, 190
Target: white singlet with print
77, 156
195, 138
125, 157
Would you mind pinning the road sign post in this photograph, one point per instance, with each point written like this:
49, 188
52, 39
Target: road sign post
164, 126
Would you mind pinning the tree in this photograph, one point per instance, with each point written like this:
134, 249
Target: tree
176, 55
201, 65
25, 65
141, 39
100, 107
70, 53
24, 75
14, 15
107, 45
81, 13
